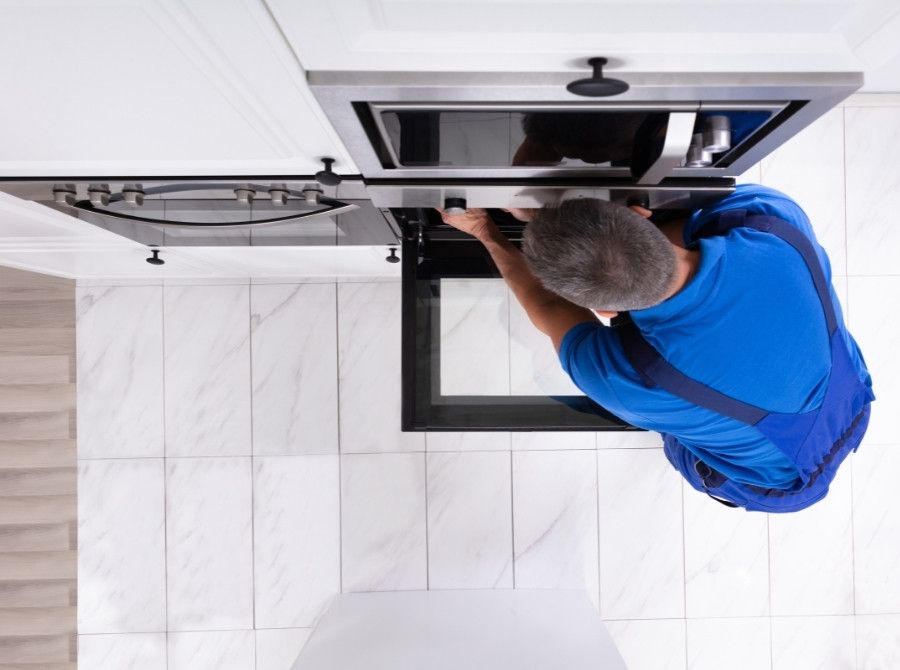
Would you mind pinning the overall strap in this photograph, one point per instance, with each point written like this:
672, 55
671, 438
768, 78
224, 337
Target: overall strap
737, 218
654, 370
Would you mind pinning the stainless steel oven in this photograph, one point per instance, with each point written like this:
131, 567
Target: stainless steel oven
453, 126
671, 142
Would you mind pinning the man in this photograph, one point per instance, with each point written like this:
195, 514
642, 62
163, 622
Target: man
728, 337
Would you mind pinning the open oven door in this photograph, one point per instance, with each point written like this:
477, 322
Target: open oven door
471, 359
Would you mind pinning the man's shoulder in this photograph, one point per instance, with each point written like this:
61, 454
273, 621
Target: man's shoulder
754, 199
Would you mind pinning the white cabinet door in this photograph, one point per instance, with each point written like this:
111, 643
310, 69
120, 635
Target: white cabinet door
28, 226
559, 35
37, 238
111, 264
155, 87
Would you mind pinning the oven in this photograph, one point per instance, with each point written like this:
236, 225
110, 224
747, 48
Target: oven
667, 141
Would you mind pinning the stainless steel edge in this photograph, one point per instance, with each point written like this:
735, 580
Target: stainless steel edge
679, 131
336, 91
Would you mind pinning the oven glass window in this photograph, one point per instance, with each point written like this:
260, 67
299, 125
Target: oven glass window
471, 358
614, 140
519, 139
488, 347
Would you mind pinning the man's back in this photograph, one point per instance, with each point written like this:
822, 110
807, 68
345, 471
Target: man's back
749, 324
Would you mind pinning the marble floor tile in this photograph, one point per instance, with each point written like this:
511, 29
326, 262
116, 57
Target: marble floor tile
878, 642
873, 190
296, 538
212, 650
811, 543
810, 169
726, 559
876, 329
752, 176
632, 439
383, 537
207, 368
650, 644
641, 548
121, 546
369, 364
469, 520
555, 520
534, 366
813, 643
474, 342
548, 441
735, 643
209, 544
876, 529
467, 441
122, 651
278, 649
119, 360
293, 330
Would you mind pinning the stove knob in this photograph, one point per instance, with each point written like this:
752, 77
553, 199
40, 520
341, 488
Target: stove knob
455, 205
99, 194
278, 194
311, 194
244, 194
64, 194
133, 194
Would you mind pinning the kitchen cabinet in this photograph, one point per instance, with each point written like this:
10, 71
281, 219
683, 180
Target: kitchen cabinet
155, 87
558, 35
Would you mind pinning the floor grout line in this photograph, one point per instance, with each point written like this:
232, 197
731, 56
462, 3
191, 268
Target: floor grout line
165, 466
427, 548
252, 467
512, 517
340, 451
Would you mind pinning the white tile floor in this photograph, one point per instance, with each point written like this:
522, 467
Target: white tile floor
241, 461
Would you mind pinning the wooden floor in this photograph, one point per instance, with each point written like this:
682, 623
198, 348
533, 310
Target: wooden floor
37, 472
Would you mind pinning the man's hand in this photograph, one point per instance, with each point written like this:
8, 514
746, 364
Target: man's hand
476, 222
552, 315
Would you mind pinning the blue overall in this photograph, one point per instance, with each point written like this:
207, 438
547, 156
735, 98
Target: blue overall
816, 442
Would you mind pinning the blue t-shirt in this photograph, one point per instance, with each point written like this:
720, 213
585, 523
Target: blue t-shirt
748, 324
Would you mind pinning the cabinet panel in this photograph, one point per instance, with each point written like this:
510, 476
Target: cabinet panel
161, 87
558, 35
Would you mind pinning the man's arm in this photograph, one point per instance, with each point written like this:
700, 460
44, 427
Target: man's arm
552, 315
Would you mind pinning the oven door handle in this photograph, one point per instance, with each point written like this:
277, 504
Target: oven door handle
679, 131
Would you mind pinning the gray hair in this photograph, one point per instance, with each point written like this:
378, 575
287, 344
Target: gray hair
600, 255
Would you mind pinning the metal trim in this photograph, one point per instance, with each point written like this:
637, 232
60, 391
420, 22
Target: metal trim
678, 138
337, 92
334, 209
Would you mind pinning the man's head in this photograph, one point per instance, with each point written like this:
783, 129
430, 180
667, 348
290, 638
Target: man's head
600, 255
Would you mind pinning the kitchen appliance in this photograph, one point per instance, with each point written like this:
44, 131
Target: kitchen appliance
667, 141
243, 211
